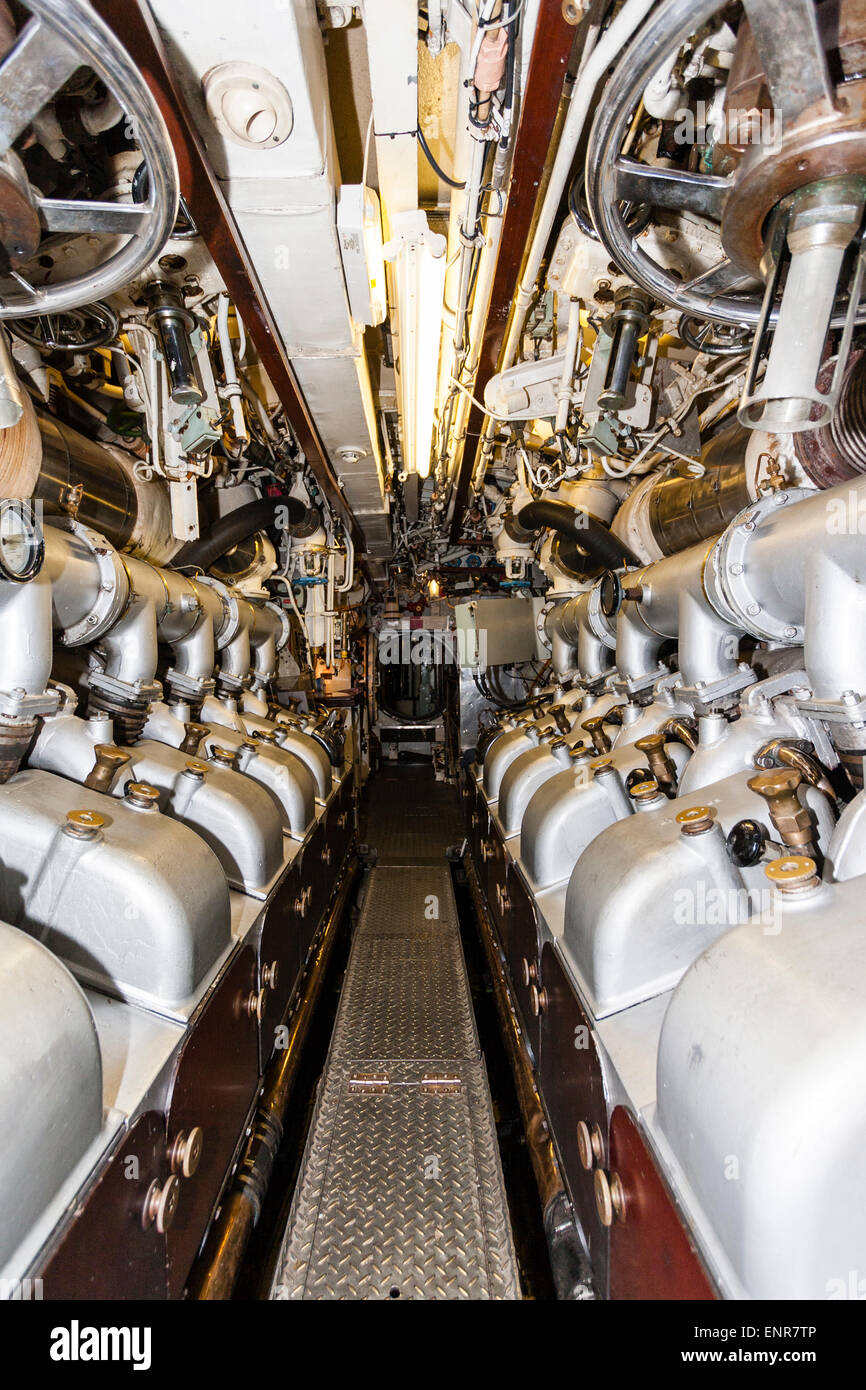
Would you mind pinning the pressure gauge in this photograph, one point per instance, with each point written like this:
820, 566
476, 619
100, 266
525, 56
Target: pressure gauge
22, 547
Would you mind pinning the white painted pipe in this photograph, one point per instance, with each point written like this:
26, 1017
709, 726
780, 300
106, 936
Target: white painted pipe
232, 391
566, 382
598, 54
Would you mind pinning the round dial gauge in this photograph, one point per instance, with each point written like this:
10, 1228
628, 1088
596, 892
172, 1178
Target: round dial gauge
22, 547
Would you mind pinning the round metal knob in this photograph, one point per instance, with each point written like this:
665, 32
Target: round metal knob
185, 1153
529, 972
584, 1146
160, 1204
269, 974
538, 1000
609, 1197
255, 1005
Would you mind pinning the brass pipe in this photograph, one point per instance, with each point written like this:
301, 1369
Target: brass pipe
216, 1271
681, 730
780, 752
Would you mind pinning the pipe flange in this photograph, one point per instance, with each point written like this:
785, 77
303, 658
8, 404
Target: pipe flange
191, 687
114, 586
285, 625
232, 622
726, 573
598, 621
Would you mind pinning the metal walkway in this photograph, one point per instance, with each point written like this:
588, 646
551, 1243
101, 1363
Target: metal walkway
400, 1193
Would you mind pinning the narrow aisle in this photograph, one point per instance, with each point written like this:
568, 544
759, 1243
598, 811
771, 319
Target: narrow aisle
400, 1193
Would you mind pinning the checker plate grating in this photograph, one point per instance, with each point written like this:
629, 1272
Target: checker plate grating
400, 1192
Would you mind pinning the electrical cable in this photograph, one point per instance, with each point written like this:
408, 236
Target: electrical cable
437, 168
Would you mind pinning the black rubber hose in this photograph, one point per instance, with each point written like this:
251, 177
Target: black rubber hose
237, 526
588, 542
437, 168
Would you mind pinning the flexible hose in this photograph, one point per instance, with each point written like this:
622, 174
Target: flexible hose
587, 539
237, 526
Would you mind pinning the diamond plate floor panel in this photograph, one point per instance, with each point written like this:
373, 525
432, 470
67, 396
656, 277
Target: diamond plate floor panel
401, 1192
411, 818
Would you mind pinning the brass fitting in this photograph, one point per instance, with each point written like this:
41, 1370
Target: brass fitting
661, 766
108, 762
193, 735
225, 757
645, 793
697, 820
793, 873
595, 729
792, 820
560, 718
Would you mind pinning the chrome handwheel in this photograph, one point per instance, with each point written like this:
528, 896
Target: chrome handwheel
62, 36
791, 52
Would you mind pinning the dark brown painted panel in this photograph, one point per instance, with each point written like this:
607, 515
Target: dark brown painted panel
215, 1081
520, 940
572, 1088
651, 1254
107, 1252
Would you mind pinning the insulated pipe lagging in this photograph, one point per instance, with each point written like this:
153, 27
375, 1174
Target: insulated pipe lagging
237, 526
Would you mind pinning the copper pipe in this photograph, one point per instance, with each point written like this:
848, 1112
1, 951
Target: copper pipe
216, 1271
